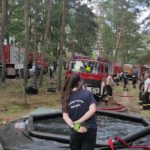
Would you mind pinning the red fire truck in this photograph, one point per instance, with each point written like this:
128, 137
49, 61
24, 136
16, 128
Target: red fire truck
93, 77
14, 59
117, 69
143, 69
138, 69
40, 63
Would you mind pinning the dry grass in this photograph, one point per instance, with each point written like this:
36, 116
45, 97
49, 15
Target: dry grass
131, 102
12, 100
12, 104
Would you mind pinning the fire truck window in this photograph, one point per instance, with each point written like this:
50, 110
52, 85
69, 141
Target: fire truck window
95, 68
71, 65
76, 66
84, 66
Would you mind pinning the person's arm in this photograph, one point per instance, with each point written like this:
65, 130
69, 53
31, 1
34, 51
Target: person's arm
146, 87
88, 114
67, 119
112, 82
142, 89
70, 123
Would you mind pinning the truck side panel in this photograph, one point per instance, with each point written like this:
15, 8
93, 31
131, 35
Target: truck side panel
16, 55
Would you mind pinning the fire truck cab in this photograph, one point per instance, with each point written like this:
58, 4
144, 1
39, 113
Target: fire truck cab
91, 71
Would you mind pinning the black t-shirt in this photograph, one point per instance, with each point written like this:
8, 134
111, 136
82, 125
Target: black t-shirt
79, 103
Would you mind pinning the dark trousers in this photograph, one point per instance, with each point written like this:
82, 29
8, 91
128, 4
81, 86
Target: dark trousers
141, 95
134, 83
83, 141
147, 98
125, 84
51, 75
109, 90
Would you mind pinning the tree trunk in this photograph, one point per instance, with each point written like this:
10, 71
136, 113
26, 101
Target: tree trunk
3, 36
1, 53
46, 39
46, 35
36, 4
117, 44
26, 11
101, 24
62, 44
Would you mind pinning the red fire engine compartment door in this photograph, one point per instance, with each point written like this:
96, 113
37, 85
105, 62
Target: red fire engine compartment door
6, 54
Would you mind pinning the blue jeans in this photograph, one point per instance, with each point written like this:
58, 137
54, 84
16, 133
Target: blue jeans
83, 141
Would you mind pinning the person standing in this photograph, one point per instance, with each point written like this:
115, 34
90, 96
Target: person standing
117, 79
51, 71
121, 76
109, 84
103, 91
125, 82
78, 109
141, 90
134, 79
146, 101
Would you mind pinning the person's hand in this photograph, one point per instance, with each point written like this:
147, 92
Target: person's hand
79, 128
82, 130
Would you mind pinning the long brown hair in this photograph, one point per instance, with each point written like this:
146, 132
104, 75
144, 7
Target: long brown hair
71, 82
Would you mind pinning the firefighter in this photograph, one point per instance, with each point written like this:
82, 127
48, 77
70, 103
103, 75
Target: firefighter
125, 81
134, 79
51, 71
141, 90
88, 68
146, 101
79, 108
109, 84
104, 92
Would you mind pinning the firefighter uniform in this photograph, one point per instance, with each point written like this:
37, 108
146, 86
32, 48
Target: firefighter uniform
146, 101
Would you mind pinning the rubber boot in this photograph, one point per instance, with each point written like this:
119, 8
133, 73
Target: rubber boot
140, 102
145, 106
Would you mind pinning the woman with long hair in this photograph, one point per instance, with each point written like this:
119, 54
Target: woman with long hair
79, 108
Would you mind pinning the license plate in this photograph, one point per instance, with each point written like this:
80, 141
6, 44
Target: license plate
19, 66
93, 90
